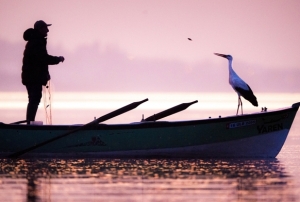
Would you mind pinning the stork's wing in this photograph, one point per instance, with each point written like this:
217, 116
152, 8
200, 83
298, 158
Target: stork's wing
247, 94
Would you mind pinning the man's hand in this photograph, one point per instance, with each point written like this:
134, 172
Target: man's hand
62, 59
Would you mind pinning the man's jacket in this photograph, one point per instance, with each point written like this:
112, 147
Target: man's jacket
36, 59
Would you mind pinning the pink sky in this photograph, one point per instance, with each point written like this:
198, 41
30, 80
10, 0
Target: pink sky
141, 45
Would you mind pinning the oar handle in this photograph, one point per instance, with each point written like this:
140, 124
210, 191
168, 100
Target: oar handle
170, 111
18, 122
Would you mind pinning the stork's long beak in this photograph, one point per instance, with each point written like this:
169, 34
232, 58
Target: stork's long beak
222, 55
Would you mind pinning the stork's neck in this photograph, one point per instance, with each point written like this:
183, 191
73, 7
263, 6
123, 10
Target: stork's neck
231, 71
230, 65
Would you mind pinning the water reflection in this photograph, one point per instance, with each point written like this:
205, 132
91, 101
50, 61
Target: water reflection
144, 180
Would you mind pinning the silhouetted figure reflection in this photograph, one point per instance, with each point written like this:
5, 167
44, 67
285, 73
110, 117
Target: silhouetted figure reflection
170, 179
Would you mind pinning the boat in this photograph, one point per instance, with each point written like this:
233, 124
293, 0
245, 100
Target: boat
255, 135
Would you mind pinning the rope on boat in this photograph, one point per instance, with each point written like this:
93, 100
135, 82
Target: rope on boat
47, 102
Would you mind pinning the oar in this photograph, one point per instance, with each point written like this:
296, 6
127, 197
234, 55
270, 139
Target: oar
170, 111
18, 122
96, 121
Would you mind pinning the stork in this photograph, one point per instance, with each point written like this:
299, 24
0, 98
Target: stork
239, 86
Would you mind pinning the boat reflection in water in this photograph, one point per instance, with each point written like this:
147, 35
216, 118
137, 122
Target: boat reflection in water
145, 180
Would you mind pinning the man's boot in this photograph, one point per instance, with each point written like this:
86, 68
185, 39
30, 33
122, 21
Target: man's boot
31, 112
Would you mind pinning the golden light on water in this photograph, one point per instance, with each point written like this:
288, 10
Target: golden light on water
69, 108
206, 101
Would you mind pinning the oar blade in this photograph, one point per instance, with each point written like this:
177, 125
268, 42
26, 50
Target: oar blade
170, 111
119, 111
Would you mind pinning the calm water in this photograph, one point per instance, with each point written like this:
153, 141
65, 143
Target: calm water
155, 179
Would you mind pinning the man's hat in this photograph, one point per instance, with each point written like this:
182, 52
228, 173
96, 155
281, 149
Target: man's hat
39, 24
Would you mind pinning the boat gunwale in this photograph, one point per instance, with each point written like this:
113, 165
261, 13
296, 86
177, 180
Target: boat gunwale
151, 124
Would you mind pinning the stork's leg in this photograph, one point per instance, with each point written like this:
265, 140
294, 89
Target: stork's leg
237, 111
241, 105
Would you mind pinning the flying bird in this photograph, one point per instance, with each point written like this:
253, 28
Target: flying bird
239, 86
190, 39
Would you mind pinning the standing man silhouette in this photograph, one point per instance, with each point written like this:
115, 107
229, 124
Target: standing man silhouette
36, 59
